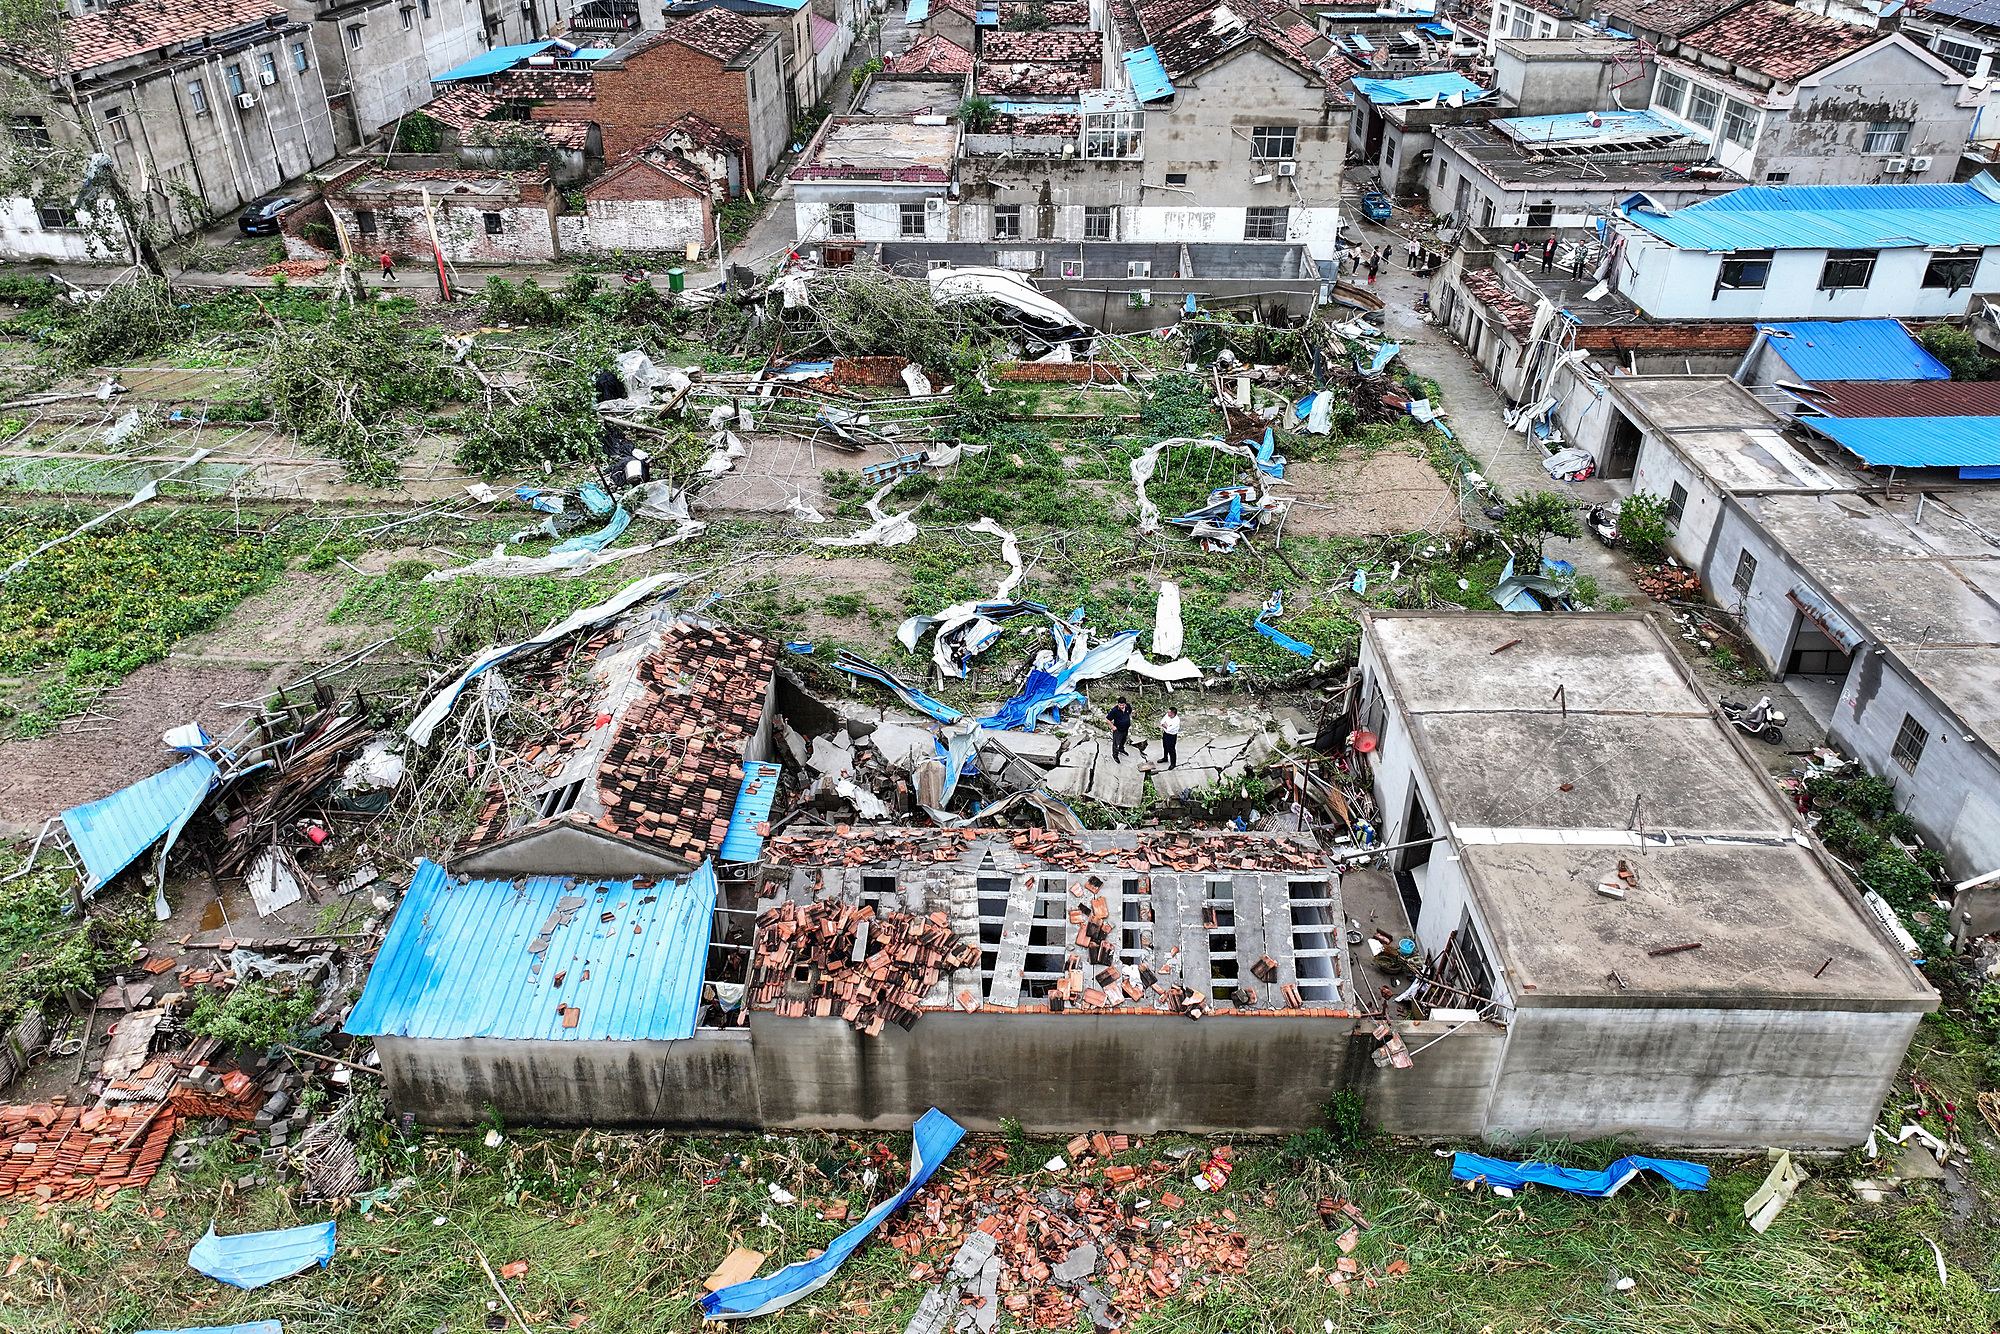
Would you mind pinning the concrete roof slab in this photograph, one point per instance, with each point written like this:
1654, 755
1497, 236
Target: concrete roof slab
1444, 664
1911, 601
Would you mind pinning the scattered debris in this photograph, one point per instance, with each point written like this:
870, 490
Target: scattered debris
863, 967
1762, 1207
1602, 1185
254, 1259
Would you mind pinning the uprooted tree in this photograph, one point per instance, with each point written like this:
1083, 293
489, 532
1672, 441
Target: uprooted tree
55, 150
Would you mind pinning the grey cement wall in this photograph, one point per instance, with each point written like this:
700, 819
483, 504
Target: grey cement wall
1446, 1088
1820, 141
708, 1081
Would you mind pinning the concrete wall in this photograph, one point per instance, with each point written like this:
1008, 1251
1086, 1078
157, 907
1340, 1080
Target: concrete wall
1659, 469
1535, 83
878, 211
708, 1081
1804, 1078
1504, 202
1446, 1088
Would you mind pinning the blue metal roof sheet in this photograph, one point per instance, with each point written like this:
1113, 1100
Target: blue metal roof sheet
1829, 217
1149, 77
1571, 126
1853, 350
1915, 442
753, 807
1434, 29
1418, 88
918, 12
109, 833
492, 62
456, 961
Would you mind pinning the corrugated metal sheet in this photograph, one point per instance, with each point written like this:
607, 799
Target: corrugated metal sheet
1612, 126
753, 807
1417, 88
1821, 613
108, 834
1829, 217
1853, 350
1915, 442
456, 962
1148, 75
1906, 398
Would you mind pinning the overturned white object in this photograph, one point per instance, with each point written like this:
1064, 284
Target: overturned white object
1180, 669
567, 564
1167, 630
724, 450
660, 500
916, 381
1010, 551
378, 766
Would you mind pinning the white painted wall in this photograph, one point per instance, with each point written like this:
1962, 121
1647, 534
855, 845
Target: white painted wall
26, 238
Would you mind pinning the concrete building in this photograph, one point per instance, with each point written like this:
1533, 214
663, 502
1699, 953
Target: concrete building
379, 56
1601, 1026
1541, 20
874, 180
203, 112
521, 117
1882, 603
1580, 73
718, 65
1393, 121
1827, 252
657, 203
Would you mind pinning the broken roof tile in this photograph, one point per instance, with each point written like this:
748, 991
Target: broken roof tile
1779, 41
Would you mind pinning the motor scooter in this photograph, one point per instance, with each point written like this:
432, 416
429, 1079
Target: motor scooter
1759, 720
1602, 526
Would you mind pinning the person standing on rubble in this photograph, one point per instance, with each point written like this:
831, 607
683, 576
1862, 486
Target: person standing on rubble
1121, 727
1549, 253
1170, 737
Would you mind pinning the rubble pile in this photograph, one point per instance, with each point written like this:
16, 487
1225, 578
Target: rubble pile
1671, 583
848, 846
302, 765
58, 1152
866, 968
1048, 1255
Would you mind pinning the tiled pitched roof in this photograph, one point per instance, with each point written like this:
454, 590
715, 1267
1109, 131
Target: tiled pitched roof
135, 28
1037, 79
1191, 34
1672, 17
1059, 125
1057, 13
468, 109
668, 772
668, 163
1485, 287
935, 54
700, 132
1779, 41
1002, 47
717, 32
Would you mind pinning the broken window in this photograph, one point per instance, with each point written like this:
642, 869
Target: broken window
1486, 213
1677, 503
29, 131
878, 889
1542, 214
1846, 270
913, 219
1473, 975
1704, 105
1886, 136
1097, 223
1072, 268
1742, 271
1007, 222
1388, 152
558, 800
1739, 124
840, 220
1135, 940
1953, 269
1219, 916
1047, 958
993, 893
1114, 134
1909, 746
114, 120
54, 214
1963, 58
1776, 177
1264, 224
1274, 142
494, 226
1746, 572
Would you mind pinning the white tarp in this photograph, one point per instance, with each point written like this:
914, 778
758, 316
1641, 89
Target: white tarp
567, 564
1050, 317
1144, 464
1167, 632
1010, 551
888, 530
1180, 669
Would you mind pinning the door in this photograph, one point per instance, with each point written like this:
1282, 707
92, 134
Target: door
1373, 151
1813, 654
1621, 456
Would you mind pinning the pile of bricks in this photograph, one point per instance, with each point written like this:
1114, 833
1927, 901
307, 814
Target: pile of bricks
1063, 1250
847, 846
69, 1153
1338, 1215
1072, 372
1671, 583
293, 268
865, 968
866, 372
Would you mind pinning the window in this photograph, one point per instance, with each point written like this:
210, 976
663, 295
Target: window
1138, 268
354, 36
1909, 747
1388, 152
1963, 58
364, 221
29, 131
1886, 136
54, 213
1486, 213
1846, 269
114, 121
840, 220
1704, 104
1677, 503
1274, 141
1523, 26
1097, 223
1542, 214
1176, 178
1007, 222
424, 6
268, 66
753, 85
1739, 124
494, 227
409, 17
1742, 271
1264, 224
913, 219
1746, 571
1072, 268
1776, 177
1442, 172
198, 97
299, 57
234, 73
1952, 271
1115, 134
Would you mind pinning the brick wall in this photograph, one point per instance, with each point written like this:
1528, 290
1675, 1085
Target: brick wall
1690, 338
526, 232
659, 85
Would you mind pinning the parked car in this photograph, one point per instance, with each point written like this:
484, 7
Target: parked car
261, 218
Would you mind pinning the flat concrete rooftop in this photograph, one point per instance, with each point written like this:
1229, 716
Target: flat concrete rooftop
1724, 432
938, 95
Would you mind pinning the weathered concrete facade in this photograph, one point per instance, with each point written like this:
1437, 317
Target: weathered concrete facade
380, 56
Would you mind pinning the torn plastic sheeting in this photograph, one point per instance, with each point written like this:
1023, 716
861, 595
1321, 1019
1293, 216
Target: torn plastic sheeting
1597, 1185
188, 738
1516, 592
1047, 317
1765, 1203
855, 665
254, 1259
1180, 669
957, 642
598, 540
724, 450
1010, 551
1148, 460
568, 564
958, 749
1383, 356
934, 1136
594, 498
916, 381
435, 712
1276, 607
1569, 465
803, 512
888, 530
254, 1327
545, 501
1168, 632
1269, 462
660, 500
1040, 693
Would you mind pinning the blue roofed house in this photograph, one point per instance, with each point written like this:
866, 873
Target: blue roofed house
1391, 126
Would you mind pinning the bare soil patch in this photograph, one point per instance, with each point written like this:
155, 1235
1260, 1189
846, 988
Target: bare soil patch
1391, 491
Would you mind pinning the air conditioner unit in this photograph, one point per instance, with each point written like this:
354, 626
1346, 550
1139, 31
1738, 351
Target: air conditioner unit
935, 204
246, 100
266, 77
1920, 164
1896, 166
1288, 168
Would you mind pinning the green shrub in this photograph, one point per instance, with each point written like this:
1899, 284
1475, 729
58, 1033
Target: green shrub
1959, 351
1533, 517
254, 1015
1643, 526
418, 133
1870, 796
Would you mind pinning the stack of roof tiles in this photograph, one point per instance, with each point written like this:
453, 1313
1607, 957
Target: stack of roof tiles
903, 956
68, 1153
1486, 287
847, 846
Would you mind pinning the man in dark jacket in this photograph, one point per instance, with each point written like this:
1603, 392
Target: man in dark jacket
1121, 727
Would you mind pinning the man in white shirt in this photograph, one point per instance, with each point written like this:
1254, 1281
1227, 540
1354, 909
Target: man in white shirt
1170, 737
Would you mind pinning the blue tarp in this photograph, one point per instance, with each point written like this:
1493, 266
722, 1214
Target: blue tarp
598, 540
1276, 607
918, 12
935, 1136
110, 833
916, 699
255, 1258
1269, 462
1049, 693
594, 498
1383, 356
1598, 1185
1148, 75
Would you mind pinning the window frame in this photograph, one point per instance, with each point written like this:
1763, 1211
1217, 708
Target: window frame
365, 223
495, 223
1097, 222
906, 213
29, 131
1677, 503
1177, 179
1971, 66
233, 76
1542, 213
1746, 572
841, 221
1740, 259
1258, 222
1696, 92
300, 61
64, 215
1895, 133
1830, 280
115, 123
1274, 143
1072, 268
197, 97
1006, 222
408, 15
1964, 260
267, 63
1114, 136
1740, 123
1911, 738
354, 36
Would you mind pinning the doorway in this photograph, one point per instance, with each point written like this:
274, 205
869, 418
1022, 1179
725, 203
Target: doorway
1621, 455
1814, 654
